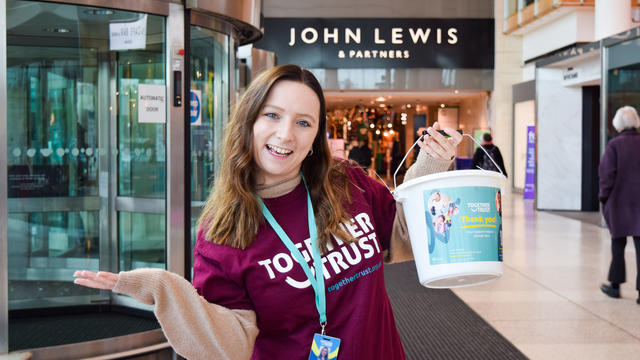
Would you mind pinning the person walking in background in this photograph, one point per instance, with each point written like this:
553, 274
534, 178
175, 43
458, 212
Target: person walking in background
397, 154
481, 160
361, 154
277, 210
619, 173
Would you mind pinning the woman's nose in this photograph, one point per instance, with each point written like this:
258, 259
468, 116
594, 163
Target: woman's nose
285, 129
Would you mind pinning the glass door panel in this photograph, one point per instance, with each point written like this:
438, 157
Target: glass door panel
141, 146
64, 131
623, 80
209, 61
53, 157
141, 165
45, 247
52, 150
142, 240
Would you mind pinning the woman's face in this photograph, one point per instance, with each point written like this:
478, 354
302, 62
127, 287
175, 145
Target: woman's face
284, 131
324, 352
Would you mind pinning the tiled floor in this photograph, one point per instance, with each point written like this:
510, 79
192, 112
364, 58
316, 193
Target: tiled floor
548, 302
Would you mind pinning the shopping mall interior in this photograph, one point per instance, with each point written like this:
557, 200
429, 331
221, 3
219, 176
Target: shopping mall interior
385, 117
112, 120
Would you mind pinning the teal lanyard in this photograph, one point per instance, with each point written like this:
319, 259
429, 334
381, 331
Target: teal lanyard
317, 279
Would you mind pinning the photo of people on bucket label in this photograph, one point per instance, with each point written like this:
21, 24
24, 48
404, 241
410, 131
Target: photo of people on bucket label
442, 209
463, 224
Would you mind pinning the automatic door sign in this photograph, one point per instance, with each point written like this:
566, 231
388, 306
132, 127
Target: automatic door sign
152, 103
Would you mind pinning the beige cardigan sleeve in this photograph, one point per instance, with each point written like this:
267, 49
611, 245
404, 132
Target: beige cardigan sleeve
195, 328
400, 247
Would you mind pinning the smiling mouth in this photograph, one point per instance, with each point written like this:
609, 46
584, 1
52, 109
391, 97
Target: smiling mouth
278, 151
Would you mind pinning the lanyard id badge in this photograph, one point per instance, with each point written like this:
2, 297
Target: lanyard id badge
316, 278
324, 347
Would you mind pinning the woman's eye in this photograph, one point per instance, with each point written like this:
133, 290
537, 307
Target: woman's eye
304, 123
271, 115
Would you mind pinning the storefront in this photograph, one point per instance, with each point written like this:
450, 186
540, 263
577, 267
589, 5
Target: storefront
562, 108
96, 147
571, 104
621, 78
386, 78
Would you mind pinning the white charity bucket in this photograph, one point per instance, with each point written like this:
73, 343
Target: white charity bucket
454, 221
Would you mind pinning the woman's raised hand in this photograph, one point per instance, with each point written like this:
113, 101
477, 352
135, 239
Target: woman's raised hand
100, 280
438, 146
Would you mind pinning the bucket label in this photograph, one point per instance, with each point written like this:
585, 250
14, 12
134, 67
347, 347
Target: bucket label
464, 224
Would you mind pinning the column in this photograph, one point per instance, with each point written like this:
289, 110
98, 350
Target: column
612, 17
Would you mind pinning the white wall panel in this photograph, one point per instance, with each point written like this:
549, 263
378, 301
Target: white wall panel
574, 27
559, 141
524, 115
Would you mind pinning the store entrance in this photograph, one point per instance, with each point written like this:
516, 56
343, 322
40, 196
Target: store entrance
388, 124
86, 164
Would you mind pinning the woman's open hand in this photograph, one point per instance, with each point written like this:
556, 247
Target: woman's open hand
438, 146
100, 280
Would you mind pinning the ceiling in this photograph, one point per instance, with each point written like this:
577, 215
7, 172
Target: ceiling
346, 99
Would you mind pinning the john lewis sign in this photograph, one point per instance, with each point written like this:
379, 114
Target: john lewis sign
381, 43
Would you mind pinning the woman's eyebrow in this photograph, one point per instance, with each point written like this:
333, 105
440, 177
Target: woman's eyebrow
282, 109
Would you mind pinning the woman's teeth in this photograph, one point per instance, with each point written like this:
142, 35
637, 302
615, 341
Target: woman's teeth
278, 150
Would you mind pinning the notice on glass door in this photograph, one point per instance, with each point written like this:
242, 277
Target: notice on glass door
195, 107
128, 35
152, 106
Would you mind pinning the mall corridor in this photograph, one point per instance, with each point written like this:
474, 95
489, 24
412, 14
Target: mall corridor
145, 134
548, 302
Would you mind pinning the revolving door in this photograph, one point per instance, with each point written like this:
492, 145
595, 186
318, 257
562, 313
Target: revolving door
97, 148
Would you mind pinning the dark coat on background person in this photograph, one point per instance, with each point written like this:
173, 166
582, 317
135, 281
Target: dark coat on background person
396, 158
361, 155
619, 173
497, 156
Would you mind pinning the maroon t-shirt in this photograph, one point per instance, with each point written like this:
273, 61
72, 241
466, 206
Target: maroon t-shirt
266, 278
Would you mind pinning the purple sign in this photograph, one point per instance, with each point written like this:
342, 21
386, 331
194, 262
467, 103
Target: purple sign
530, 168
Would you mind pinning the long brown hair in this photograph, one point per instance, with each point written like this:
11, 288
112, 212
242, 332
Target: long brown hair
232, 214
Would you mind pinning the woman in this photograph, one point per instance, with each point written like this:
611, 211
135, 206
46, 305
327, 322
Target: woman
619, 174
257, 295
324, 353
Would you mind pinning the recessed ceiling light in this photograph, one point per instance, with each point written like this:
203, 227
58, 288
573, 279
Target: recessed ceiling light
456, 91
380, 98
57, 30
99, 12
441, 105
